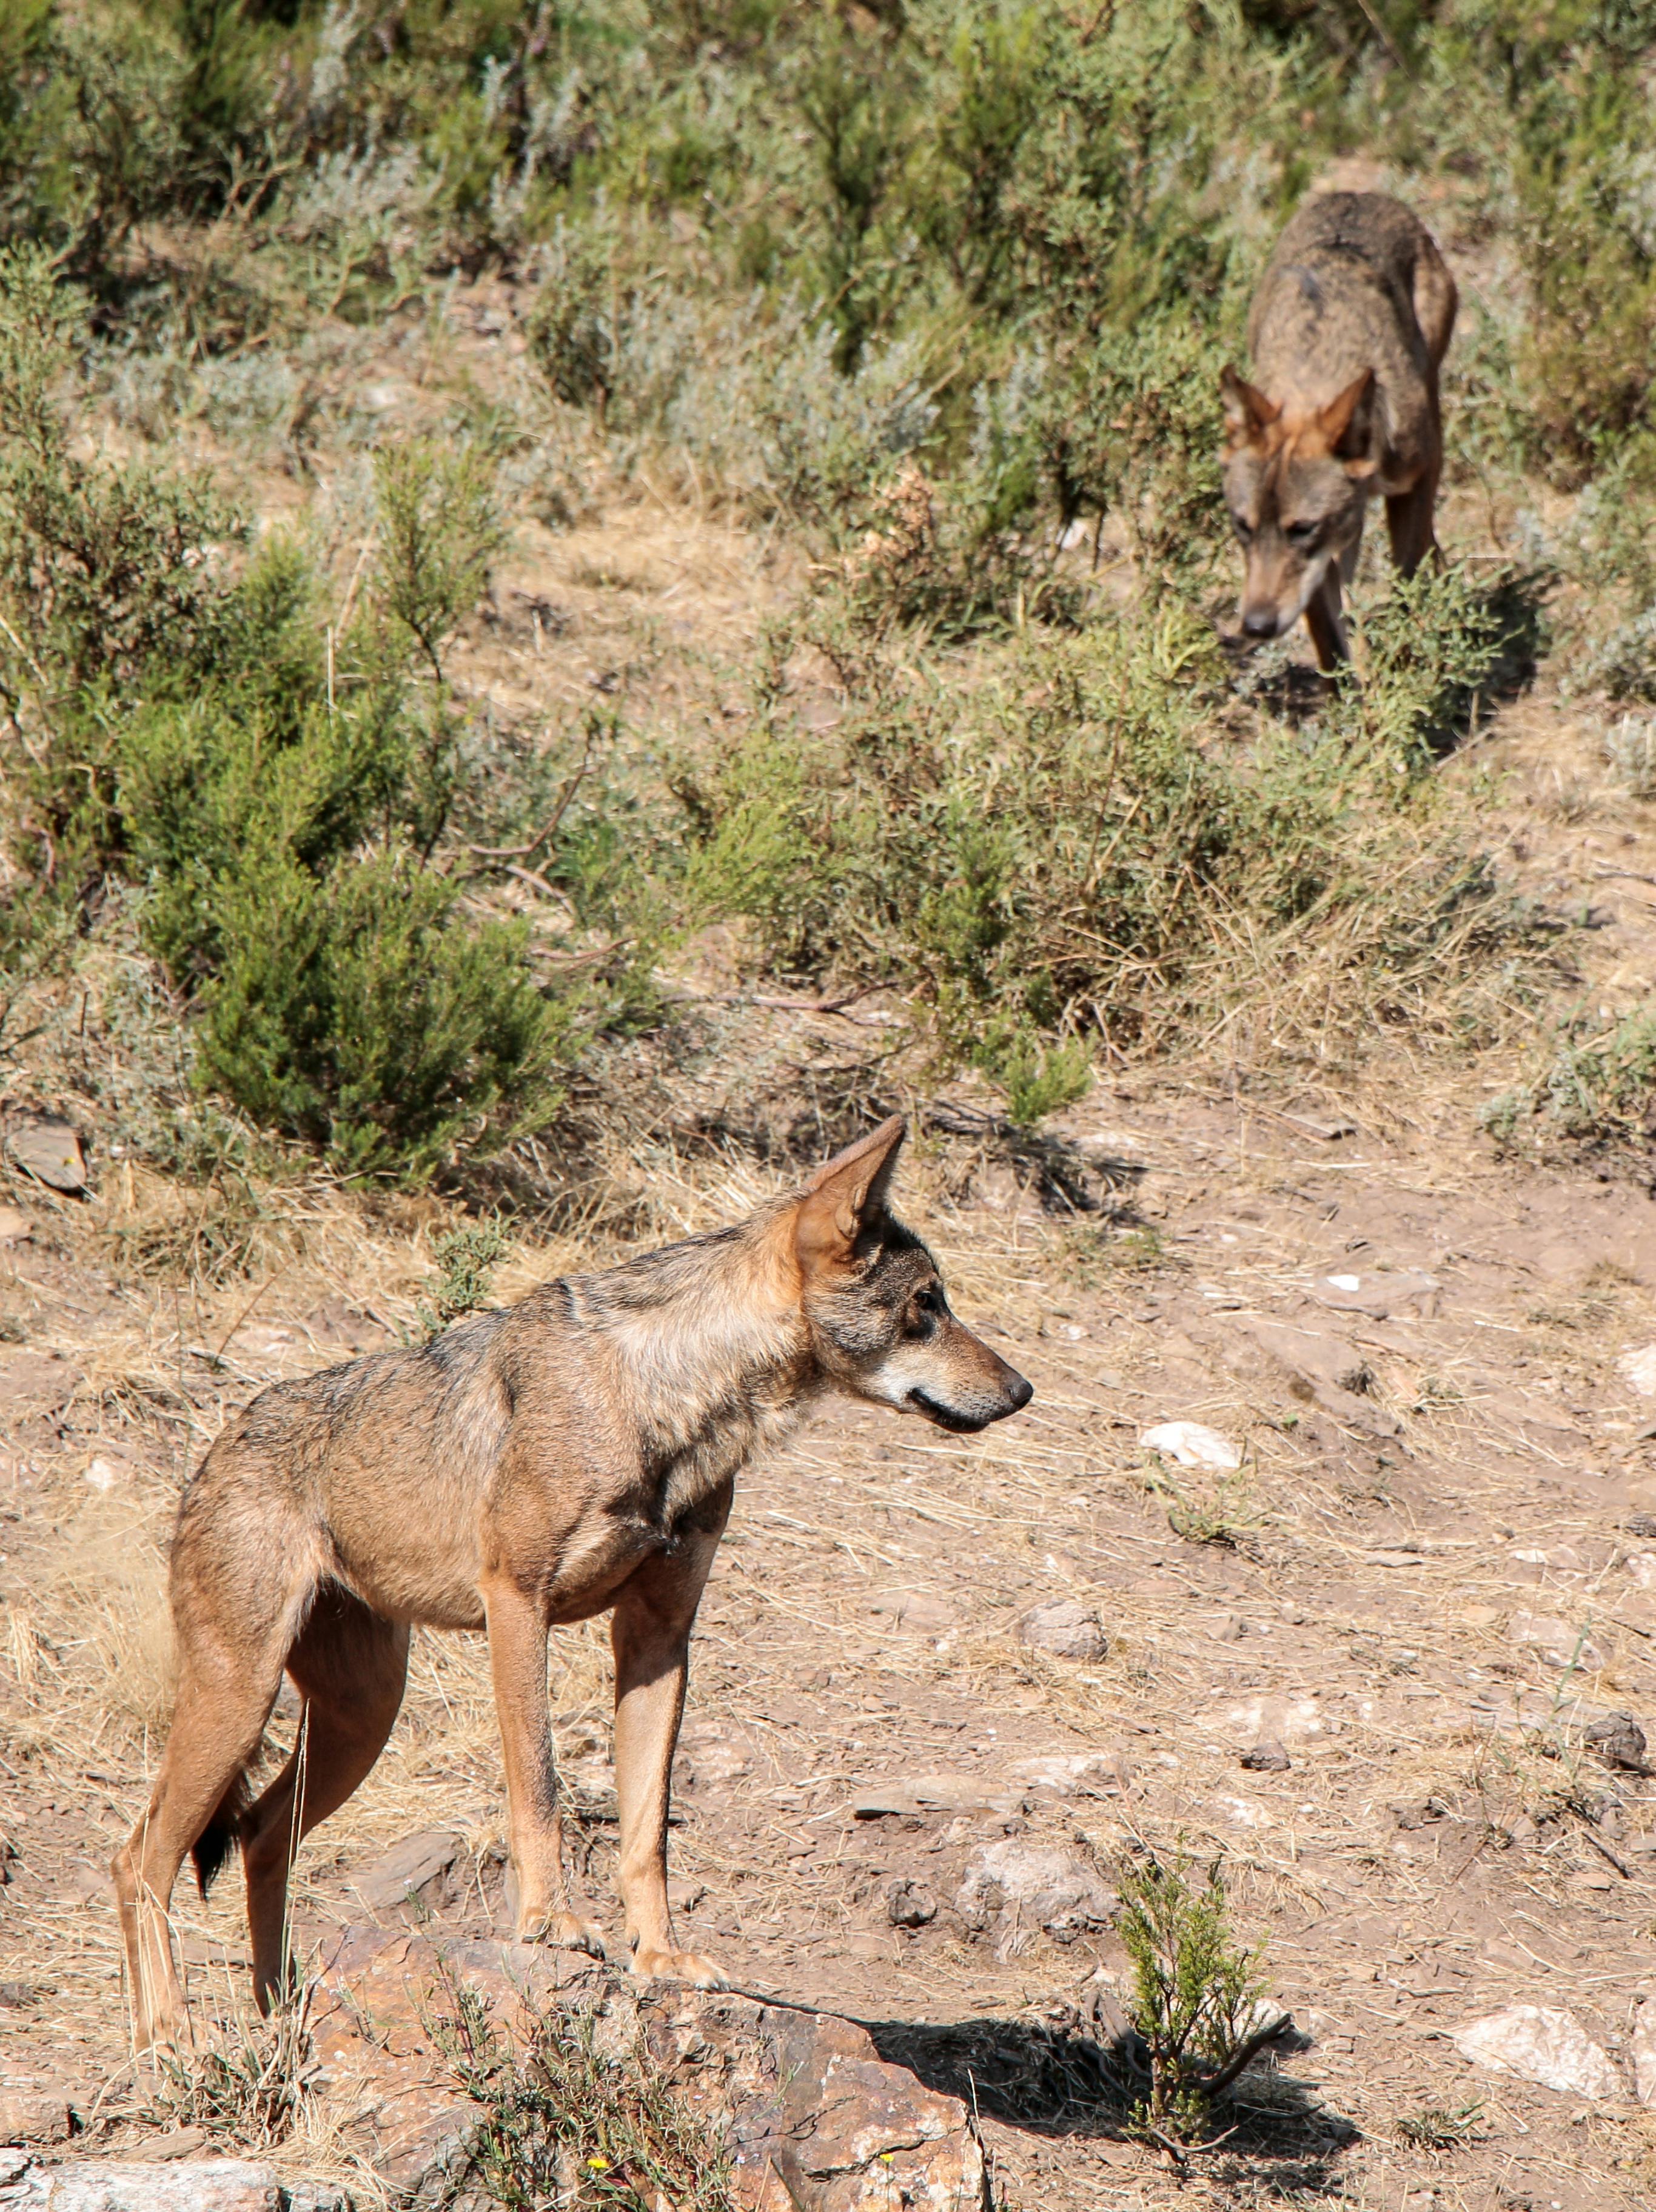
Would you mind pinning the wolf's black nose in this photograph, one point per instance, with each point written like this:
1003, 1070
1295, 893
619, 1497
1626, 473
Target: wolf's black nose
1020, 1394
1259, 622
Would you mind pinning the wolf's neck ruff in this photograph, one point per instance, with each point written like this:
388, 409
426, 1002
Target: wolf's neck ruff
713, 1356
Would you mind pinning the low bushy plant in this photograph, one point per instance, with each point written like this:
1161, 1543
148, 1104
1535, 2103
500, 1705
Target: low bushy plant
194, 725
1195, 1996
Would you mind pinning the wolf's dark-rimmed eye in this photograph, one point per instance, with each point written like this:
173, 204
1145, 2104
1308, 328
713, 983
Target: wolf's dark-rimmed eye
1242, 527
929, 1300
1302, 533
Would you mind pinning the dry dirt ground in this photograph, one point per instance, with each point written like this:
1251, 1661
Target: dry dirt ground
1423, 1594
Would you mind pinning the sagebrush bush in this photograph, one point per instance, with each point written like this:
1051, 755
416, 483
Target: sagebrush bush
194, 725
1060, 854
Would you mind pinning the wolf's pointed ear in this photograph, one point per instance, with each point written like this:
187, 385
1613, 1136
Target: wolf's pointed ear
1247, 411
1344, 421
844, 1194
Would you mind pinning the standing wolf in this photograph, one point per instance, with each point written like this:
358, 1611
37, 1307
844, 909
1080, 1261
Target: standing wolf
1346, 331
572, 1455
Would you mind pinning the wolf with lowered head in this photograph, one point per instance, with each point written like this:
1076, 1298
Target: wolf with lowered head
570, 1456
1346, 331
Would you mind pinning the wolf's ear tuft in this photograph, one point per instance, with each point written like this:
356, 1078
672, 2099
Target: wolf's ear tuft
1247, 411
845, 1194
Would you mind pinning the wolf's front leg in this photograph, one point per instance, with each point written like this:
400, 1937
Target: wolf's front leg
517, 1662
650, 1632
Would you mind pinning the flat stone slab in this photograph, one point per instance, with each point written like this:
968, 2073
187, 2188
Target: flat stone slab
207, 2184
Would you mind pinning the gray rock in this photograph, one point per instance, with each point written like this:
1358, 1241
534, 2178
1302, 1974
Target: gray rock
1641, 2049
1065, 1629
1558, 1642
208, 2185
1326, 1370
418, 1873
1019, 1890
1378, 1295
1619, 1741
35, 2113
910, 1904
1267, 1757
918, 1612
1540, 2044
935, 1793
47, 1148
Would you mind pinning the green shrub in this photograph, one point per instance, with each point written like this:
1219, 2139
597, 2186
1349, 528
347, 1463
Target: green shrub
1058, 854
351, 1012
1595, 1091
279, 791
1195, 1996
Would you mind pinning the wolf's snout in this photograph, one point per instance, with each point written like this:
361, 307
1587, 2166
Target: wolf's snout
1259, 622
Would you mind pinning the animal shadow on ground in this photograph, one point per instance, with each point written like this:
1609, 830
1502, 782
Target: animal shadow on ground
1057, 2080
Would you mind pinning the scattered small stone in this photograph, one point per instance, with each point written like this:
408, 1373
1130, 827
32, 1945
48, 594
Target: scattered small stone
1377, 1295
1642, 1524
1541, 2044
1560, 1555
1072, 1774
1267, 1757
419, 1871
910, 1904
48, 1149
15, 1228
1637, 1368
109, 1470
1641, 2049
1019, 1888
918, 1611
17, 1997
1619, 1741
1192, 1445
1065, 1629
1641, 1566
1559, 1642
36, 2114
175, 2142
935, 1793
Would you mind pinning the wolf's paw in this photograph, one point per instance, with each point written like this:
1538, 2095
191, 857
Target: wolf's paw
690, 1966
565, 1931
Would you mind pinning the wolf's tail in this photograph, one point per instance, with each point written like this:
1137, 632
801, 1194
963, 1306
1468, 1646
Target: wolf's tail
223, 1832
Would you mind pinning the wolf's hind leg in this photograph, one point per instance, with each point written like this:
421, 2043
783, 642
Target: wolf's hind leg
517, 1662
224, 1698
349, 1666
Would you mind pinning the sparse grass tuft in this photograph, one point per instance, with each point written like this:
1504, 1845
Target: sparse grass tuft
254, 2085
1440, 2127
574, 2121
